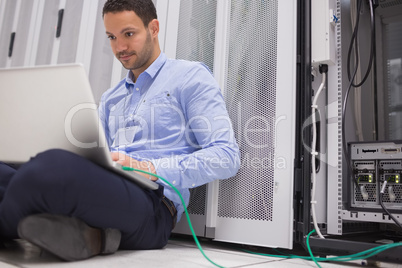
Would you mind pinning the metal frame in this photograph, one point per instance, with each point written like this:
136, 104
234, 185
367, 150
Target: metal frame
172, 26
302, 167
334, 140
14, 27
34, 32
161, 10
2, 10
86, 35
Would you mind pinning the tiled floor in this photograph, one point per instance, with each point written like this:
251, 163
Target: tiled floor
181, 252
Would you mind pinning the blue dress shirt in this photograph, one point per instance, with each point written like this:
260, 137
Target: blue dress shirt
174, 115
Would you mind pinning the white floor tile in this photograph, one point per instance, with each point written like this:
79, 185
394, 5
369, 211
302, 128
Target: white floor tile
175, 254
178, 253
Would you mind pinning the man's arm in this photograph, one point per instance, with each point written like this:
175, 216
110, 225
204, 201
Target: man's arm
209, 129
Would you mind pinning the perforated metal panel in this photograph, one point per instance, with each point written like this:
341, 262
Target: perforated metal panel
195, 42
393, 194
197, 200
251, 102
196, 34
375, 166
256, 70
390, 3
370, 190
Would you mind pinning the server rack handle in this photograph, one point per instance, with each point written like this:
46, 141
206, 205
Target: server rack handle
11, 46
59, 23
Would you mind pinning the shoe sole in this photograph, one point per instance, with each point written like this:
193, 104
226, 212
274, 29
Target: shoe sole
68, 238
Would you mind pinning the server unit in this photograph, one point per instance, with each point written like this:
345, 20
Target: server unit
363, 158
376, 176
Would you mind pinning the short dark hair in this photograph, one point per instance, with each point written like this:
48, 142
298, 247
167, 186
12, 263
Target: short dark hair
145, 9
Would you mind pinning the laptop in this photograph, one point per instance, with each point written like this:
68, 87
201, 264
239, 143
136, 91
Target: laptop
47, 107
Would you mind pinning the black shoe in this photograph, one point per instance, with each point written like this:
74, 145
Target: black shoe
68, 238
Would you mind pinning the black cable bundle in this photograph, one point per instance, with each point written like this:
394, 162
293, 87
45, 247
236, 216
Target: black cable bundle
354, 44
354, 40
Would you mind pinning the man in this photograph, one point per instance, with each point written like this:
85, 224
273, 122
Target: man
166, 117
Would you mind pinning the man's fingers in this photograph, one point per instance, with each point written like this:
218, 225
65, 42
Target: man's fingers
127, 161
115, 156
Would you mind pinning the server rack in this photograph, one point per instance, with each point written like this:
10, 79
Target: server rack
269, 71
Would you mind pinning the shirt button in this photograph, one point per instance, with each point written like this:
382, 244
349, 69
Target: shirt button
174, 182
193, 185
138, 89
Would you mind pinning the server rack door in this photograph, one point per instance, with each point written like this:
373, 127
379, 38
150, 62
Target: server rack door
256, 206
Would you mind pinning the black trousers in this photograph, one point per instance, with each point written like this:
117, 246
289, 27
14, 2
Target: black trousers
60, 182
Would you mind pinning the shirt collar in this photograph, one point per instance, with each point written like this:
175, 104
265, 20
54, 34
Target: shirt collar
152, 70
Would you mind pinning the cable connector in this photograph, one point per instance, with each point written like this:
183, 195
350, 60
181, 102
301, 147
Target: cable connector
323, 68
383, 187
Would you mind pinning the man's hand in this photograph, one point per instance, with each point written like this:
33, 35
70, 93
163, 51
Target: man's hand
127, 161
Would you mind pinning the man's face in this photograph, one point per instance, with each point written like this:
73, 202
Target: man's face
130, 40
